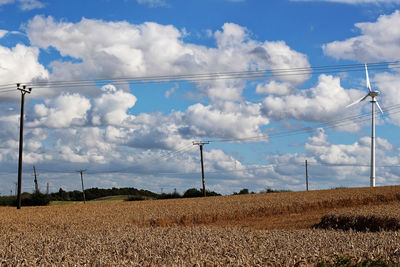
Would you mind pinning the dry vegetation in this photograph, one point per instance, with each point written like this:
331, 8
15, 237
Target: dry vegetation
217, 231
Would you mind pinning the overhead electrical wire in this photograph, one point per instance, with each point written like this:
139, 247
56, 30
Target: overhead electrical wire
270, 166
391, 110
165, 156
255, 74
329, 124
230, 75
185, 148
9, 90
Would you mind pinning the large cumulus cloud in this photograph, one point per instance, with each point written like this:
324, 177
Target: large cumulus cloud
378, 41
321, 103
121, 49
20, 64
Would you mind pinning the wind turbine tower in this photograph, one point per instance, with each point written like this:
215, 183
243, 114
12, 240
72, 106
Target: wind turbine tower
374, 102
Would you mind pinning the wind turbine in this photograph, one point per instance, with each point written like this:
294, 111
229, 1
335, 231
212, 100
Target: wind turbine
373, 101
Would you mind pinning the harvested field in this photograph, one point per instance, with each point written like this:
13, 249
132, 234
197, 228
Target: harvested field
217, 230
191, 245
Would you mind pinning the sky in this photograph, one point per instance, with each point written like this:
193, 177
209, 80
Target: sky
122, 89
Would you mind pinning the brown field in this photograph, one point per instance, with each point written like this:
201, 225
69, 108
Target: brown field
262, 229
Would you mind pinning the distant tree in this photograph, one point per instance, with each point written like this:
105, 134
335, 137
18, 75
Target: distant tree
169, 195
27, 199
270, 190
94, 193
35, 199
244, 191
193, 192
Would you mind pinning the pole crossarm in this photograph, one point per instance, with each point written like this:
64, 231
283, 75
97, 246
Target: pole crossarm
200, 143
24, 90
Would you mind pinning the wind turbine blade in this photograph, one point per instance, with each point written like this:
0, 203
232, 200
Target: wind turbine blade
366, 74
358, 101
379, 106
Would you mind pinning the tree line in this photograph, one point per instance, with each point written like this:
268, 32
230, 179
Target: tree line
131, 193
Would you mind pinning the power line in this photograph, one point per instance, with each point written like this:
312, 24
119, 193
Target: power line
392, 110
249, 74
182, 149
272, 166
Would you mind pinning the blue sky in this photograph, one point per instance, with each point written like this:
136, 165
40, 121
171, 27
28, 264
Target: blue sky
141, 134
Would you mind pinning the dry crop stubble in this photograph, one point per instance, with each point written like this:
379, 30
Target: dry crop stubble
194, 231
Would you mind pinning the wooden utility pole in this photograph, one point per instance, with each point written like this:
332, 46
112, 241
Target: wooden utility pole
36, 183
24, 91
200, 144
306, 176
83, 188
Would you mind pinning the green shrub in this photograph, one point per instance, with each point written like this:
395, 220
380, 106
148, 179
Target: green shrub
35, 199
8, 201
136, 198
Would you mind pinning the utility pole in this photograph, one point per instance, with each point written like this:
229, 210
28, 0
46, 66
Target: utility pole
200, 144
36, 183
83, 188
24, 91
306, 176
47, 190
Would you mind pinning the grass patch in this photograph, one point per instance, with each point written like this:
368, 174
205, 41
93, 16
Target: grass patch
137, 198
112, 198
62, 203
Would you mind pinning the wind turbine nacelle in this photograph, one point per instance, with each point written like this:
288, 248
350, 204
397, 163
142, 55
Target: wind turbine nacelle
373, 94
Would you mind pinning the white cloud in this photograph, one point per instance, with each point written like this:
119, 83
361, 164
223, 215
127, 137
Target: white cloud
24, 5
275, 88
2, 33
112, 106
378, 41
152, 49
88, 145
62, 112
20, 64
324, 152
321, 103
388, 84
5, 2
333, 165
30, 4
153, 3
230, 121
169, 92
